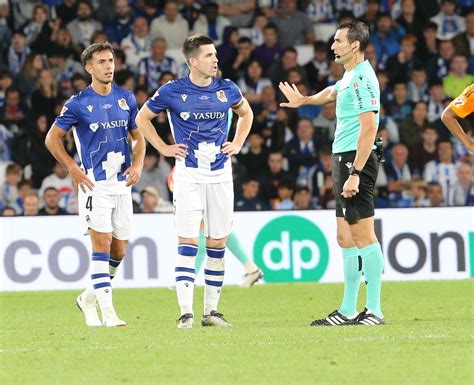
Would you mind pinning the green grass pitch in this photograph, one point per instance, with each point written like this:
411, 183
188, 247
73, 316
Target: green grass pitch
428, 339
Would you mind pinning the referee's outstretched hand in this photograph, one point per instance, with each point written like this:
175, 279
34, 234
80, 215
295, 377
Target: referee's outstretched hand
295, 98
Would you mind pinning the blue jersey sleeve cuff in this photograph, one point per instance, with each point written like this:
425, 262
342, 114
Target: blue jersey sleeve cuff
152, 108
61, 126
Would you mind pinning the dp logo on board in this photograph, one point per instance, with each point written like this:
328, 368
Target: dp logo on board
291, 248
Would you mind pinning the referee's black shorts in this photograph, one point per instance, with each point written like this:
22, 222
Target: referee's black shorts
362, 204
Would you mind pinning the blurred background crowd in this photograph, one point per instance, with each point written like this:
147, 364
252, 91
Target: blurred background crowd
422, 52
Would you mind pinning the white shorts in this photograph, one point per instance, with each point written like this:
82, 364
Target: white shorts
213, 202
106, 213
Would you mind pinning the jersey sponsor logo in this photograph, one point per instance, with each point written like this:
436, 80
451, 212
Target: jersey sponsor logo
185, 115
209, 115
114, 124
90, 107
459, 101
221, 96
64, 109
123, 104
184, 97
94, 126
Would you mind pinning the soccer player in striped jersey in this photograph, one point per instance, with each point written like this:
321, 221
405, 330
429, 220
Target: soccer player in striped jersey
198, 111
101, 117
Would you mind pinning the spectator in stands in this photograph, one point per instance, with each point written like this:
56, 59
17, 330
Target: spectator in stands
325, 125
242, 60
398, 173
191, 12
151, 68
270, 50
411, 20
387, 39
227, 51
255, 160
64, 67
258, 24
387, 122
83, 26
400, 65
302, 199
371, 14
438, 66
253, 83
285, 196
410, 129
51, 203
327, 198
66, 11
418, 85
427, 47
458, 79
449, 22
17, 52
370, 54
28, 76
171, 26
9, 191
435, 196
463, 42
6, 81
418, 193
239, 12
357, 7
46, 94
31, 204
59, 179
424, 152
272, 176
435, 100
278, 72
335, 73
152, 202
5, 31
320, 11
317, 69
215, 23
8, 212
301, 151
62, 38
155, 173
137, 44
141, 95
33, 29
306, 111
463, 189
78, 82
121, 25
399, 108
319, 171
443, 169
294, 27
248, 200
13, 112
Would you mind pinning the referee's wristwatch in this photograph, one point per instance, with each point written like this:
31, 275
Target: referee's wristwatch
354, 171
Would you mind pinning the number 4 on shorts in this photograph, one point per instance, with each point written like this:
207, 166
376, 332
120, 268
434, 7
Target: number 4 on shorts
89, 203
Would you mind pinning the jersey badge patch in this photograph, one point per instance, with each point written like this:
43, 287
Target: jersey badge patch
123, 105
221, 96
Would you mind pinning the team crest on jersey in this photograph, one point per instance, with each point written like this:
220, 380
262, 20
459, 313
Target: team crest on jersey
184, 115
90, 107
123, 104
94, 126
184, 97
221, 96
63, 111
459, 101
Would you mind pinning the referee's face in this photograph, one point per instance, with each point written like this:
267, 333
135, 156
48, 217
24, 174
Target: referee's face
206, 61
343, 52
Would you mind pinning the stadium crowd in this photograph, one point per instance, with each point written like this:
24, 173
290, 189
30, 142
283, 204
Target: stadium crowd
422, 51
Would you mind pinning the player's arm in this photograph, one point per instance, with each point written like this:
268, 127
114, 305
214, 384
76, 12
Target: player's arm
450, 120
244, 124
143, 120
365, 141
296, 99
134, 172
55, 145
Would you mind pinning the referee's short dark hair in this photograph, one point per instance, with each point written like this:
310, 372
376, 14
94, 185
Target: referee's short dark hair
357, 31
193, 43
93, 48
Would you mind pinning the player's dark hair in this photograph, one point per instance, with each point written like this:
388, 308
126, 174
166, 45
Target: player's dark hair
357, 31
93, 48
192, 44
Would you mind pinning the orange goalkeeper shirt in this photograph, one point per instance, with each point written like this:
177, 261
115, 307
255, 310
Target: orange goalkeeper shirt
463, 105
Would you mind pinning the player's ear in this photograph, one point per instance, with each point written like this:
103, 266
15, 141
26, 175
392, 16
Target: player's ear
88, 68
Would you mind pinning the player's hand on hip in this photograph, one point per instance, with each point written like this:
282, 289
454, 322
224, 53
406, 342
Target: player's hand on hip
175, 150
230, 148
80, 179
351, 187
132, 174
295, 98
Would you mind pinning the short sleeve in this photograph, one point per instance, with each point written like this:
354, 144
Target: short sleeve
463, 105
160, 101
132, 102
68, 117
235, 95
364, 95
337, 85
